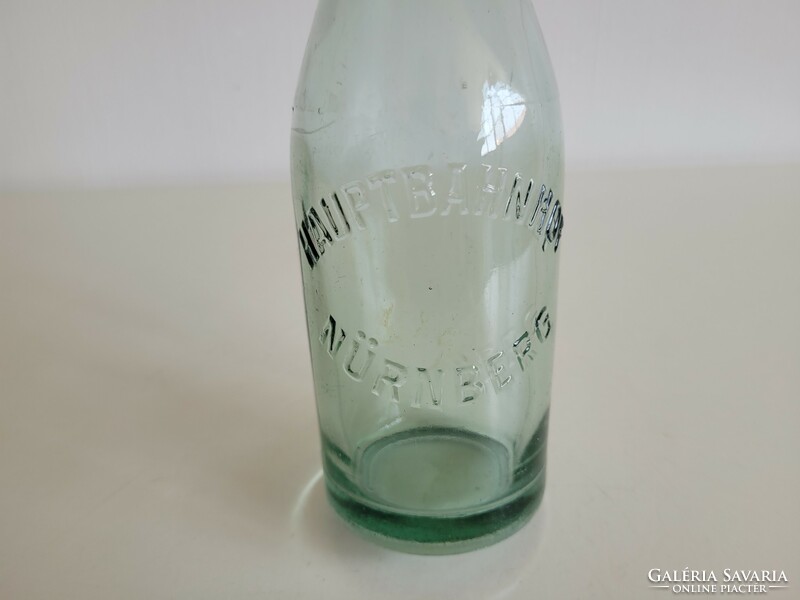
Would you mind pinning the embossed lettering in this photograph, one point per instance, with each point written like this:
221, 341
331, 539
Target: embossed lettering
494, 182
523, 349
510, 202
383, 196
424, 388
358, 373
496, 369
555, 225
331, 338
542, 206
342, 229
470, 385
357, 199
320, 233
393, 377
542, 325
384, 183
423, 196
429, 387
308, 247
457, 195
538, 206
520, 203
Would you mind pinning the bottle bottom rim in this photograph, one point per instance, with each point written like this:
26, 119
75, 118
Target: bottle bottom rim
436, 535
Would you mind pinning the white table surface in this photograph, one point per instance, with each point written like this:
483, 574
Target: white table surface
157, 427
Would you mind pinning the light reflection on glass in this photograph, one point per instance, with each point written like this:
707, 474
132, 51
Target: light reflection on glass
502, 114
302, 500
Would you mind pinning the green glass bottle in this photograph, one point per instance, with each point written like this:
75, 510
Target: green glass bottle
427, 174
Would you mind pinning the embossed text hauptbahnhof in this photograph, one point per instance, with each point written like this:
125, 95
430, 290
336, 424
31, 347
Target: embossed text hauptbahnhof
411, 193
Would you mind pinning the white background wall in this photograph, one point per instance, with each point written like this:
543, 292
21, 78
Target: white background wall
123, 92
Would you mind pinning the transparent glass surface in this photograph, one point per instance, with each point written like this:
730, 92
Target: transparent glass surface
427, 170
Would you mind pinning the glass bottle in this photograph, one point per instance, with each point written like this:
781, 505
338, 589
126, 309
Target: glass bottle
427, 169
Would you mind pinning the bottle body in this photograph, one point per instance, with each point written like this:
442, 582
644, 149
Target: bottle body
427, 174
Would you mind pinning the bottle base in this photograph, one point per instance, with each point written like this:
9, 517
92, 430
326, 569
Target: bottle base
435, 490
437, 535
438, 491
